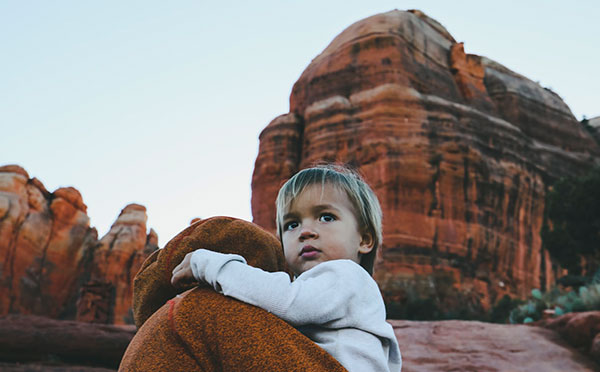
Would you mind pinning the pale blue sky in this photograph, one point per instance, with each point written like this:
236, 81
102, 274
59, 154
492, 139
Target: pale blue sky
161, 103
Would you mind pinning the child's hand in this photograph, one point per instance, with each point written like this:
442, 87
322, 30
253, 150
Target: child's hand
182, 273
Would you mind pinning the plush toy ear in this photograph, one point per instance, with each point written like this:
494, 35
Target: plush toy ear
152, 285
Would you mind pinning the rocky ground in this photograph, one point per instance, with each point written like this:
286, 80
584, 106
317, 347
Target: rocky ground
475, 346
568, 343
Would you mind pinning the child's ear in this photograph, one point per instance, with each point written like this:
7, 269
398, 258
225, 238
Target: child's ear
366, 244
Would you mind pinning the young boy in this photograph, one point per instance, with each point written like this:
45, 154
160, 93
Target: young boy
329, 221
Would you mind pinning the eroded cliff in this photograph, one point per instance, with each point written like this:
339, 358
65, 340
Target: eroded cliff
51, 259
458, 148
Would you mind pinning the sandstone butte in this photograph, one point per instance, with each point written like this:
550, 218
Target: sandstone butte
459, 149
51, 261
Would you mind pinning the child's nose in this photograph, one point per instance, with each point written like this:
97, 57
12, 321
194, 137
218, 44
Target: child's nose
307, 231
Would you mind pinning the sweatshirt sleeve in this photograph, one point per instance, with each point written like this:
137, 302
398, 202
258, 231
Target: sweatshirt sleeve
319, 296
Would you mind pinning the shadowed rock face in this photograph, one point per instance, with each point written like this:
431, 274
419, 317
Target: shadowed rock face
458, 148
49, 254
594, 124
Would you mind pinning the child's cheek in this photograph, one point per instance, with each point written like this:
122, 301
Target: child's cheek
288, 255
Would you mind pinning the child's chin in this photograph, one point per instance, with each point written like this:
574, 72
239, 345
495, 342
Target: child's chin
307, 266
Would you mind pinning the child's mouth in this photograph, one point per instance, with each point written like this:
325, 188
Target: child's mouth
309, 252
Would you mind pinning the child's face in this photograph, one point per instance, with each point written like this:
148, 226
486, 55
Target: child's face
319, 226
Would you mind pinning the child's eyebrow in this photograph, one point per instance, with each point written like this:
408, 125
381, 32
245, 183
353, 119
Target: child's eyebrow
315, 209
321, 207
289, 215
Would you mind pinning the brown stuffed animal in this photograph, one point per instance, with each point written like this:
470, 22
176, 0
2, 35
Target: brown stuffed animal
202, 330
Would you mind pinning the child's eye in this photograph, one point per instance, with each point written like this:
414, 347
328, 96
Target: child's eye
290, 225
327, 217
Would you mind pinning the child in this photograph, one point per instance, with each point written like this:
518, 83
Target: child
329, 222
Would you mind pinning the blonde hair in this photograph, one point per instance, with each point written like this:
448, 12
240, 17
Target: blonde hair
366, 205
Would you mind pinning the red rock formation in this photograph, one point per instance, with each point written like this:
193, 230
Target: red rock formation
458, 148
43, 239
474, 346
107, 297
580, 330
48, 251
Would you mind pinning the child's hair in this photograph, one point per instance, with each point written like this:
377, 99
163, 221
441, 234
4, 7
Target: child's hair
366, 206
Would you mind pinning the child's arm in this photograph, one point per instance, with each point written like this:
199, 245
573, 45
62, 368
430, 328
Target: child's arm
184, 272
318, 296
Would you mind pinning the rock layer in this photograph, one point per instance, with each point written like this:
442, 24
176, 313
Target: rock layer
30, 343
475, 346
51, 257
458, 148
580, 330
107, 297
37, 340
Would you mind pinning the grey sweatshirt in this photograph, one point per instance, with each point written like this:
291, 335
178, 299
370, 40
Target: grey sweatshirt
336, 304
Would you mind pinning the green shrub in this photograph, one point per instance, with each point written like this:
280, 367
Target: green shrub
586, 298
